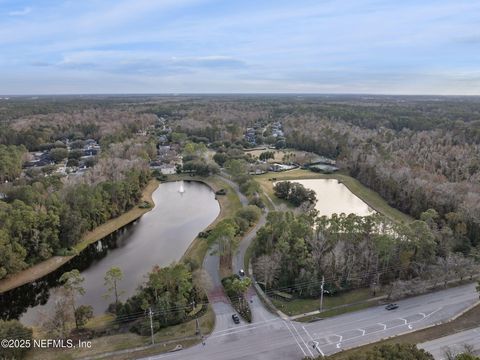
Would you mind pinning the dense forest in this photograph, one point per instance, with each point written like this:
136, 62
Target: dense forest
45, 213
422, 165
417, 152
42, 216
293, 253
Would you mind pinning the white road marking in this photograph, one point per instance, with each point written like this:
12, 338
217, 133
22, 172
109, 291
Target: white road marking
378, 331
242, 328
363, 331
304, 353
315, 342
340, 337
433, 312
301, 338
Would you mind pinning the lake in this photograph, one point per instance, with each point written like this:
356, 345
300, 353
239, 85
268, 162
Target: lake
159, 237
335, 198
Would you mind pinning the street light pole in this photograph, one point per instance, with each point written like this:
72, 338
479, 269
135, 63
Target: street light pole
321, 293
150, 314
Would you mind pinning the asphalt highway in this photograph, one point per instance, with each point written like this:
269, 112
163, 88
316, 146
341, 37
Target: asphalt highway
454, 343
273, 338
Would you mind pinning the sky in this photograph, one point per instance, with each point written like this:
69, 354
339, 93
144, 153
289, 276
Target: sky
247, 46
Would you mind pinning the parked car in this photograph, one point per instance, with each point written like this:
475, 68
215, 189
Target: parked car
236, 319
241, 272
391, 306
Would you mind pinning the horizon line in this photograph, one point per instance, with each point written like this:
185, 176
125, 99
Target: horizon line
239, 93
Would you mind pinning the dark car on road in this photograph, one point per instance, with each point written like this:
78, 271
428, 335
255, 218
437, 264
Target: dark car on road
241, 272
236, 319
391, 306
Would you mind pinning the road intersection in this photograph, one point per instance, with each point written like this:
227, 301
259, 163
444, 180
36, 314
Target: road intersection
274, 338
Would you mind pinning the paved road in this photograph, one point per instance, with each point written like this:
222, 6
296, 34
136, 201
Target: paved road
219, 301
259, 312
225, 177
455, 343
375, 323
217, 298
274, 338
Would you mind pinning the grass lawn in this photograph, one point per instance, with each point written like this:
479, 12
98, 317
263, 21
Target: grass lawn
114, 224
302, 306
280, 154
229, 205
248, 255
374, 200
338, 311
467, 321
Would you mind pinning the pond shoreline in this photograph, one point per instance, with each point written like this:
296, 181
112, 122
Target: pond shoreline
367, 195
46, 267
198, 248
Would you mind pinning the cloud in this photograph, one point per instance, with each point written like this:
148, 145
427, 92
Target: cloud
469, 40
40, 63
213, 62
272, 45
26, 10
144, 62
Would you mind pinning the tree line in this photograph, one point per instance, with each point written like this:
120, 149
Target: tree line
294, 251
11, 160
37, 223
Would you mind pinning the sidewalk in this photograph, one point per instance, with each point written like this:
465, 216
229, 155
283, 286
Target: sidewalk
317, 312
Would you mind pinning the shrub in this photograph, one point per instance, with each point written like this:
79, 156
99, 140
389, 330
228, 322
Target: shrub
14, 330
235, 288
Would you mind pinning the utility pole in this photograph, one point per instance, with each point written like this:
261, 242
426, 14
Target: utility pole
375, 283
265, 278
150, 314
321, 293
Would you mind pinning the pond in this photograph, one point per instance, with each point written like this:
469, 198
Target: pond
160, 237
334, 197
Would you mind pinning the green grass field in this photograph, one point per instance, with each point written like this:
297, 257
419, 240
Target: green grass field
335, 303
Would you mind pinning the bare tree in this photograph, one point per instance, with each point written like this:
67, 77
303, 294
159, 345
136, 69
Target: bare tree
267, 268
60, 321
202, 280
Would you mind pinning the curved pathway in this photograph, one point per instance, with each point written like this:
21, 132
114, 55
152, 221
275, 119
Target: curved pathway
259, 312
220, 303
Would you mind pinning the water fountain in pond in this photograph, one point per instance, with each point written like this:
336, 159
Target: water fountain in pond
181, 190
